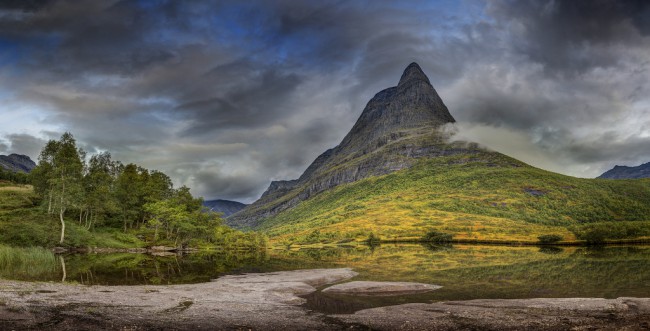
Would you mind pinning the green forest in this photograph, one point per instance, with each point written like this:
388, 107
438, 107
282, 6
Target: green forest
79, 200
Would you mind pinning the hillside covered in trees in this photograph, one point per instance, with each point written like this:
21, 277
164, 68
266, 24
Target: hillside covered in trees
97, 201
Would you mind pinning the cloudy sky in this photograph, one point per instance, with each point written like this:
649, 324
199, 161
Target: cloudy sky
225, 96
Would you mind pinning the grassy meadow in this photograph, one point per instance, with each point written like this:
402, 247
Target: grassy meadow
480, 197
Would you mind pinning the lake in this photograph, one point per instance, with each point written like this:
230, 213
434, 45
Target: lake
464, 271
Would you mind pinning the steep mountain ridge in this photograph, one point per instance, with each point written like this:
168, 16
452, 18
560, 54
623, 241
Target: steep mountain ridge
398, 125
226, 207
397, 176
625, 172
17, 163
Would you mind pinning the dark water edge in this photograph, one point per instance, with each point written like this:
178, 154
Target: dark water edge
497, 272
465, 272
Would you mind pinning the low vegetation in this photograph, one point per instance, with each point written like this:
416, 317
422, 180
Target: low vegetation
549, 238
479, 197
27, 263
437, 237
601, 232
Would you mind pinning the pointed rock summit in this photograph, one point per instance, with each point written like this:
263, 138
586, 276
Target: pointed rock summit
398, 125
413, 103
413, 73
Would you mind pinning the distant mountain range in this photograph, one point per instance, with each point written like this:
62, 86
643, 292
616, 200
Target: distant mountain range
625, 172
226, 207
399, 175
17, 163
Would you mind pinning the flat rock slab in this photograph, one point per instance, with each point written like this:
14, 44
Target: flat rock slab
380, 288
514, 314
248, 302
271, 301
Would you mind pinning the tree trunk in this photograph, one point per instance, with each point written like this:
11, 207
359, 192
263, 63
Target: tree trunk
63, 268
61, 212
62, 209
49, 204
89, 222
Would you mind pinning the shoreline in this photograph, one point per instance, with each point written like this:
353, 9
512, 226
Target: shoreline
175, 251
273, 301
163, 250
483, 242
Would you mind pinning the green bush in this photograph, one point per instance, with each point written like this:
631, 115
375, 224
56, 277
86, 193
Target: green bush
598, 233
437, 237
373, 239
595, 236
549, 238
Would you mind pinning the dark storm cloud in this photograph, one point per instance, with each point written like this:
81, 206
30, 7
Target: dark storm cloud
573, 36
23, 5
253, 97
570, 76
228, 95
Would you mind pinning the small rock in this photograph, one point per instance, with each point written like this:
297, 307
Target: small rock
380, 288
162, 249
57, 250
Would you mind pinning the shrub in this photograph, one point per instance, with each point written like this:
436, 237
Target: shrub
595, 236
373, 239
597, 233
437, 237
549, 238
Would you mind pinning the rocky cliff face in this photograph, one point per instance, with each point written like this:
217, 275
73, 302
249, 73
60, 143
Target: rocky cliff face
398, 125
624, 172
17, 163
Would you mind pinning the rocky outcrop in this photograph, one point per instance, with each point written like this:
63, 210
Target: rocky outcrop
398, 125
266, 301
515, 314
17, 163
272, 301
624, 172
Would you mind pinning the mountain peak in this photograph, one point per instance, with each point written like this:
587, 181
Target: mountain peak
413, 103
625, 172
17, 163
413, 73
398, 126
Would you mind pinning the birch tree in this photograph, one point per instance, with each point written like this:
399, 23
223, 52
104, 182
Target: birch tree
66, 178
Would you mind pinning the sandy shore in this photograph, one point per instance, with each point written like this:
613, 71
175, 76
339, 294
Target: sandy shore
271, 301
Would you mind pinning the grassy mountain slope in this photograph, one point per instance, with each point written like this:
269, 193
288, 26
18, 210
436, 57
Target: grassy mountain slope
478, 196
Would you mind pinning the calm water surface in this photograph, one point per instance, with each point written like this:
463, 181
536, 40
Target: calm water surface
464, 271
